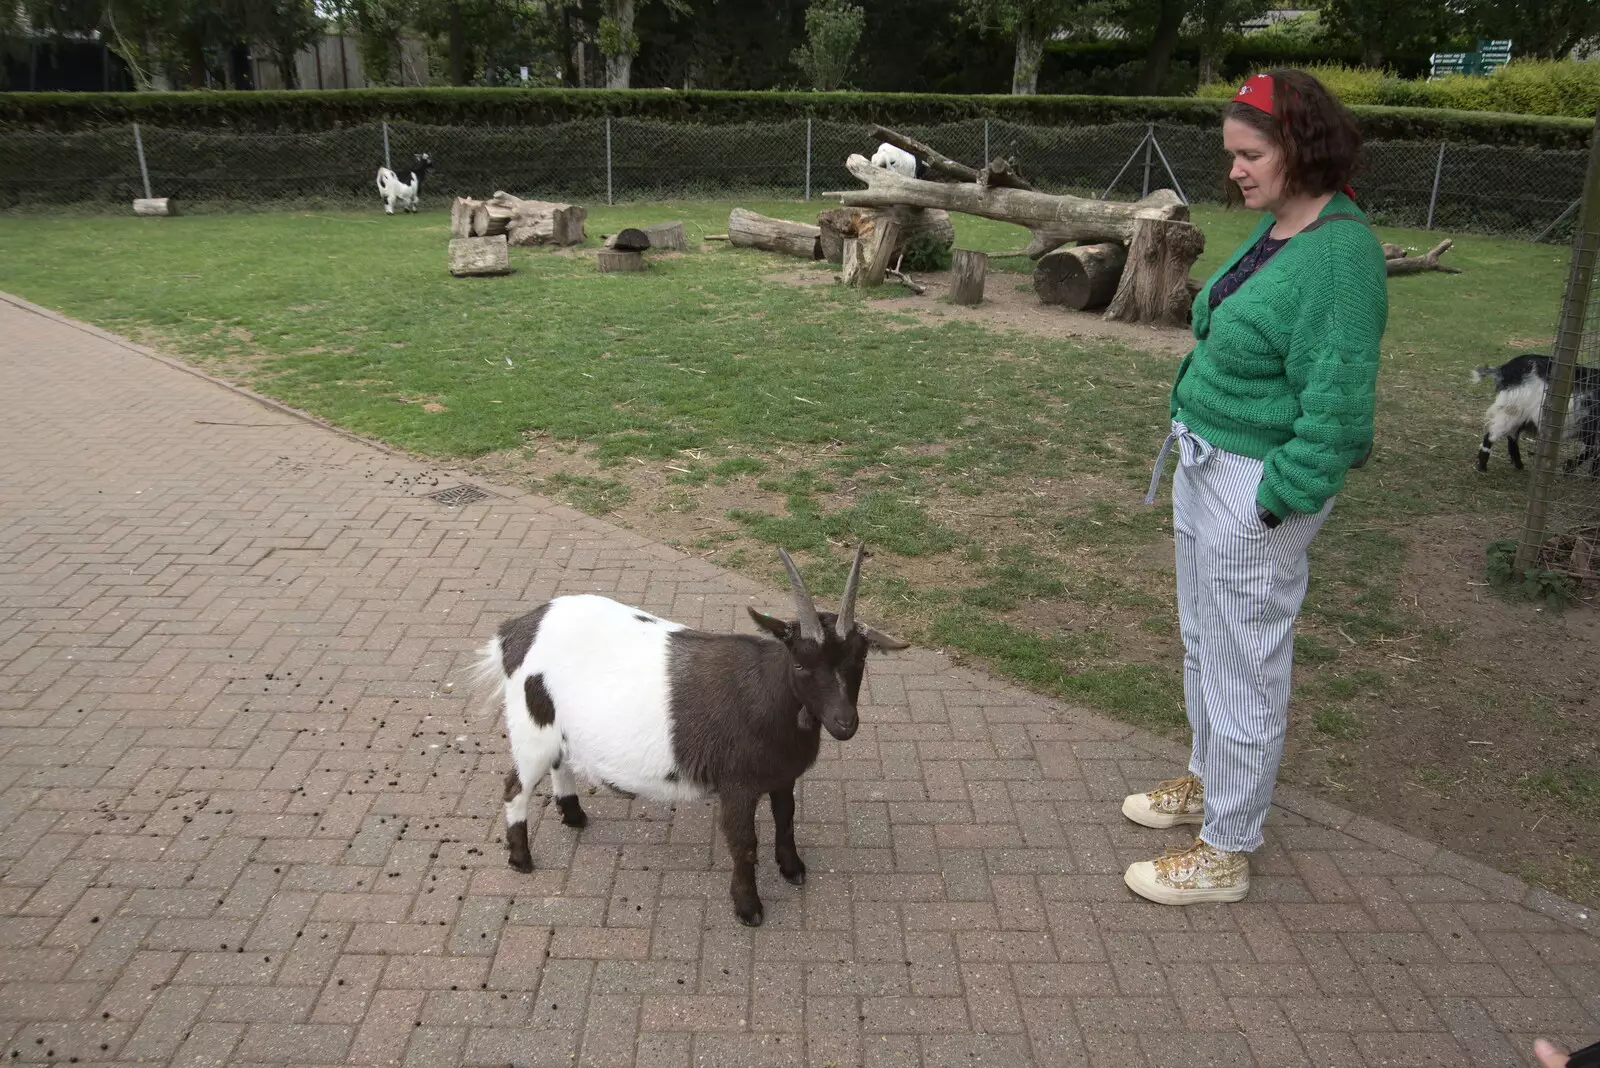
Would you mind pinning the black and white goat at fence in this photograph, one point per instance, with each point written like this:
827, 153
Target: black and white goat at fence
1520, 385
606, 692
403, 193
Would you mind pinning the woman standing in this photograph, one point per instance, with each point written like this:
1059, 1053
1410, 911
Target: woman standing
1269, 411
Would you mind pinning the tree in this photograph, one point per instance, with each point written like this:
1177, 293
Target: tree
1215, 23
1159, 23
619, 43
1032, 23
1383, 27
284, 28
833, 30
1544, 29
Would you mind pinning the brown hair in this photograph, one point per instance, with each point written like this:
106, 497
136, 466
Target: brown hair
1319, 137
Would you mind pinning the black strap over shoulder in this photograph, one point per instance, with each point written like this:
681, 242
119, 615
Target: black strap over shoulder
1335, 217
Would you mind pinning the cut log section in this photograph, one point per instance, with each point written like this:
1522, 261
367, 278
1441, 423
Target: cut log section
612, 260
1083, 278
853, 261
479, 256
968, 270
879, 249
154, 206
1155, 282
840, 223
530, 222
1391, 252
628, 240
746, 229
1429, 261
669, 236
1054, 221
462, 215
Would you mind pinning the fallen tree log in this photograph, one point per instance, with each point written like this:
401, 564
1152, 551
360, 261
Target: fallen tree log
1084, 278
747, 229
627, 240
1155, 282
153, 206
996, 174
1429, 261
1054, 221
531, 222
840, 223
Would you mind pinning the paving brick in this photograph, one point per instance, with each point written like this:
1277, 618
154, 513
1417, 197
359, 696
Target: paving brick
162, 797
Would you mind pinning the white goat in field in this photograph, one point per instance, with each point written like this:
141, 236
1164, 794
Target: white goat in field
404, 194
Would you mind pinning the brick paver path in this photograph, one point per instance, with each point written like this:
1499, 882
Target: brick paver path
248, 817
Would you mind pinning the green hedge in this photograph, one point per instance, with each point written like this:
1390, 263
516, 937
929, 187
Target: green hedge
1525, 87
312, 110
1244, 57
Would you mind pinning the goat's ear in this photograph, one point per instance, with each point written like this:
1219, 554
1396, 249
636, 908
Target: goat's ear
881, 641
778, 628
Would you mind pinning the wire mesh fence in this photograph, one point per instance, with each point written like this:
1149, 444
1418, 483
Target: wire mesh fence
1561, 527
1464, 188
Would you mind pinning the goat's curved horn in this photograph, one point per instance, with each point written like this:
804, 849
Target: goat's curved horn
846, 620
810, 624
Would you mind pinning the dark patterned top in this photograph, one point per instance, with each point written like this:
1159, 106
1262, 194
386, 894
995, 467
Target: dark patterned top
1248, 264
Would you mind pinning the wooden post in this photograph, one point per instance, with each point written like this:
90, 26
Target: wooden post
1080, 278
968, 270
851, 260
880, 245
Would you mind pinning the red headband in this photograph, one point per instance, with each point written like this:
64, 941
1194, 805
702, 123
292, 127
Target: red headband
1257, 92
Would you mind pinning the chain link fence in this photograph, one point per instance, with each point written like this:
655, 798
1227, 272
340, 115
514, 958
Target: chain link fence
1561, 528
1460, 188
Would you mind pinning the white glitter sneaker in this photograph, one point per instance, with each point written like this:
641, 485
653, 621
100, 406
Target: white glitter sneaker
1191, 876
1169, 804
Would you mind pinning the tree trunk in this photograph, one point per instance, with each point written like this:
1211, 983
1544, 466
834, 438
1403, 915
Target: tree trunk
669, 236
746, 229
1427, 262
1083, 278
1162, 46
878, 252
938, 163
461, 217
458, 46
619, 68
1372, 53
533, 222
968, 270
1053, 220
479, 256
1155, 282
1025, 68
840, 223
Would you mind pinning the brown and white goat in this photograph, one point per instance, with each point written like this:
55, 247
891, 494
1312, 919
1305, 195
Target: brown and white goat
602, 690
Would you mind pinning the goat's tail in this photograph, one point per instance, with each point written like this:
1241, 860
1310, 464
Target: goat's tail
486, 679
384, 172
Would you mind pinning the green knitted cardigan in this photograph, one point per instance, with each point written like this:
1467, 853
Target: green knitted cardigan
1285, 369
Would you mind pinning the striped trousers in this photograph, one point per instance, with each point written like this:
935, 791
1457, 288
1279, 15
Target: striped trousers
1240, 586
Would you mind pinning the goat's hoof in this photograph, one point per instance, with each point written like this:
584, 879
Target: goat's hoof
522, 864
795, 876
572, 813
750, 918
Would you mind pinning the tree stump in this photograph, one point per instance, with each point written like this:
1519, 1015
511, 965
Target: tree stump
628, 240
746, 229
840, 223
852, 260
1083, 278
479, 256
968, 270
875, 250
1155, 282
611, 260
461, 216
1391, 251
154, 206
669, 236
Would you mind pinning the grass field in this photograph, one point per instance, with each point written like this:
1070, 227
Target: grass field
728, 401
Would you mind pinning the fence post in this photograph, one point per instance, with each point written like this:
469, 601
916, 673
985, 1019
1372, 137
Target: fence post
144, 172
1433, 201
608, 159
386, 162
986, 156
1149, 142
1569, 337
808, 157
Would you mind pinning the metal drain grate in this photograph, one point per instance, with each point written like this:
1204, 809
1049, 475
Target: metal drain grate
459, 495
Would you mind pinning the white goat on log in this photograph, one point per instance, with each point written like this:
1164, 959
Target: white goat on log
651, 708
